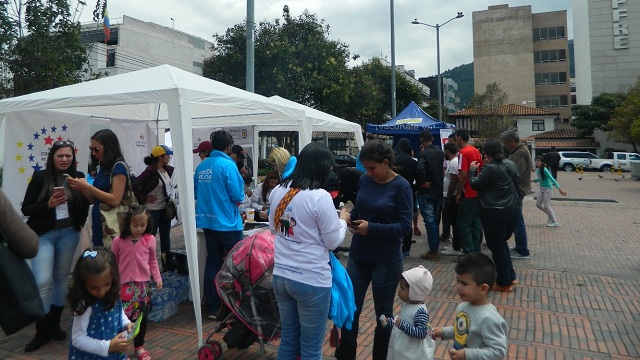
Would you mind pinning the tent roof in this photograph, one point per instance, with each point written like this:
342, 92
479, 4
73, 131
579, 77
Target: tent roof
411, 121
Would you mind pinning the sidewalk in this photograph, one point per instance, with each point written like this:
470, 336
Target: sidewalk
578, 298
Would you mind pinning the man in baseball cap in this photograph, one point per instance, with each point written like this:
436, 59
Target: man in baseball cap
237, 153
203, 150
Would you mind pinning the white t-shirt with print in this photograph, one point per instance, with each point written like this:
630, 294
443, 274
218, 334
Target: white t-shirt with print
452, 169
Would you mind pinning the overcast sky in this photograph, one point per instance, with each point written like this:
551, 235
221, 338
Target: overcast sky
362, 24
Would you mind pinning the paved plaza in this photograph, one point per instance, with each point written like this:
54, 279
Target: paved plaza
578, 297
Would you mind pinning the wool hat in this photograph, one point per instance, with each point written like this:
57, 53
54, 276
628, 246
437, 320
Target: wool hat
238, 150
161, 150
203, 146
420, 282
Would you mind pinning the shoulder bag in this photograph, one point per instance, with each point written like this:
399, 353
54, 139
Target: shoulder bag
171, 210
20, 302
111, 217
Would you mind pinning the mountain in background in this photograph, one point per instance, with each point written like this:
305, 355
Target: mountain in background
463, 76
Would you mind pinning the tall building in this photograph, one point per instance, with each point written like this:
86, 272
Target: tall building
450, 99
526, 54
607, 46
136, 44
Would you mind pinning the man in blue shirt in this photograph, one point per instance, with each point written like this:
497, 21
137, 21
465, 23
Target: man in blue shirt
218, 190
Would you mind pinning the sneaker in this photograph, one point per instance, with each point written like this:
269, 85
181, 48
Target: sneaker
517, 255
507, 288
431, 255
450, 252
553, 224
406, 254
514, 282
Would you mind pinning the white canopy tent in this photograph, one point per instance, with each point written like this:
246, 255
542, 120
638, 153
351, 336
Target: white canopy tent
173, 98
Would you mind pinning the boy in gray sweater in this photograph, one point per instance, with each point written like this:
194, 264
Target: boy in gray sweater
479, 331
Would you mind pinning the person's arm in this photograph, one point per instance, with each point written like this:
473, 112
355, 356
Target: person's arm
332, 229
422, 169
256, 197
111, 198
31, 205
235, 184
80, 337
420, 328
20, 238
154, 268
454, 179
481, 180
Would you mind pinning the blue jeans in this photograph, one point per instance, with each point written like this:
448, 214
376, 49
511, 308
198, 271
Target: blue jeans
303, 313
160, 222
383, 278
52, 266
218, 244
520, 233
430, 207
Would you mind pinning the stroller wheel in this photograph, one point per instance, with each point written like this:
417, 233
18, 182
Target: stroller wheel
206, 352
217, 347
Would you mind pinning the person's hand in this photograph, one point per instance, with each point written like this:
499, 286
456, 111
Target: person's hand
473, 165
397, 321
345, 215
263, 215
78, 183
564, 193
436, 333
361, 227
458, 197
129, 326
58, 198
457, 354
119, 343
159, 284
249, 192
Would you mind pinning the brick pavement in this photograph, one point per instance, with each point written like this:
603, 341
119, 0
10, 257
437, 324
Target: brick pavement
578, 297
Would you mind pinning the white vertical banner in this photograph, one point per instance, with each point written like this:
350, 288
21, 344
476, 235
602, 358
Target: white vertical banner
136, 141
444, 136
29, 137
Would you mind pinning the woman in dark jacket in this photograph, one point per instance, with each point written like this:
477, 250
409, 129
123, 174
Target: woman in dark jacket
499, 201
157, 187
56, 213
407, 168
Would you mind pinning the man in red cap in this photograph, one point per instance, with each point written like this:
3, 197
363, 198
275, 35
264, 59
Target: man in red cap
203, 150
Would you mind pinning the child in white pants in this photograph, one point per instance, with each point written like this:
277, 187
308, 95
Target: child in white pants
547, 182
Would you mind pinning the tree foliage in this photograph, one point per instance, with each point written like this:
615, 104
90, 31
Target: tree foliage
490, 122
597, 115
296, 59
463, 76
625, 120
40, 45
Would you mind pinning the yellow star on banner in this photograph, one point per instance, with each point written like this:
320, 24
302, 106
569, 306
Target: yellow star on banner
18, 157
21, 170
19, 144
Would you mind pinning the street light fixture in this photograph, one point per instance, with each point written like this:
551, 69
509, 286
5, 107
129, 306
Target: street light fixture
437, 27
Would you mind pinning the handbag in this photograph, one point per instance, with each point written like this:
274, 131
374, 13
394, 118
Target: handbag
20, 302
171, 210
111, 217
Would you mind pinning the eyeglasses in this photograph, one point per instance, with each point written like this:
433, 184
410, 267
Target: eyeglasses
64, 143
95, 149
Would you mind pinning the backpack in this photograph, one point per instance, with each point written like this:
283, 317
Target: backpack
136, 188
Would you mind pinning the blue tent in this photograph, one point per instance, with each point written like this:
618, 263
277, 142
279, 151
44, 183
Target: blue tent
410, 123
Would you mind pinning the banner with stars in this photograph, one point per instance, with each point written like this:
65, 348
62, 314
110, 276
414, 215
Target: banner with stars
28, 137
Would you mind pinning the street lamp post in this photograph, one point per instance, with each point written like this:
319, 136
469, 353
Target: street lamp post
437, 27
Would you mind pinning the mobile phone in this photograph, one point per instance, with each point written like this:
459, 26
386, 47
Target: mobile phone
66, 175
354, 223
58, 190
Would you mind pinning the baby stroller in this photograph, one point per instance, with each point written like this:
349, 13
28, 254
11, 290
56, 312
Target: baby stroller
244, 284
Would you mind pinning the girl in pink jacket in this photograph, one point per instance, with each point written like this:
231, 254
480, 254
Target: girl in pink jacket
135, 252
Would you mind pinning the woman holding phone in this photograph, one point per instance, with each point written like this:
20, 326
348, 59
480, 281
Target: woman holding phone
56, 213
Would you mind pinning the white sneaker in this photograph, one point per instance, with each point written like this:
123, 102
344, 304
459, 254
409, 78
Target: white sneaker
553, 224
450, 252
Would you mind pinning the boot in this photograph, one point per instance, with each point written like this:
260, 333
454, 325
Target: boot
43, 334
55, 314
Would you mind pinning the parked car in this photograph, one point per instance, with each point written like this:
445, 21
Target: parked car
569, 160
345, 159
620, 160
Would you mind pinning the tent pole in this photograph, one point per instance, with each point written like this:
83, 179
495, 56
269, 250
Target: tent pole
158, 126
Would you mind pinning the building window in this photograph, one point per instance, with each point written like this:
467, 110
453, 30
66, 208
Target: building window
553, 101
338, 145
537, 125
553, 78
111, 58
550, 33
549, 56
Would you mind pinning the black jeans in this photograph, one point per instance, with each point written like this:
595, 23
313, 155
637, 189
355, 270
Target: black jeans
498, 226
450, 210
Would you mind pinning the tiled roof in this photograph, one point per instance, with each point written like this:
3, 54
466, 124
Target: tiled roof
571, 133
568, 144
509, 109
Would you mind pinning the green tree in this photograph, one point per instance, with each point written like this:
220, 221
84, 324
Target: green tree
370, 96
596, 116
40, 45
625, 120
491, 123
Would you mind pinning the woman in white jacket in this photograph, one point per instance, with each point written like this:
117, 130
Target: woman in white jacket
260, 197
